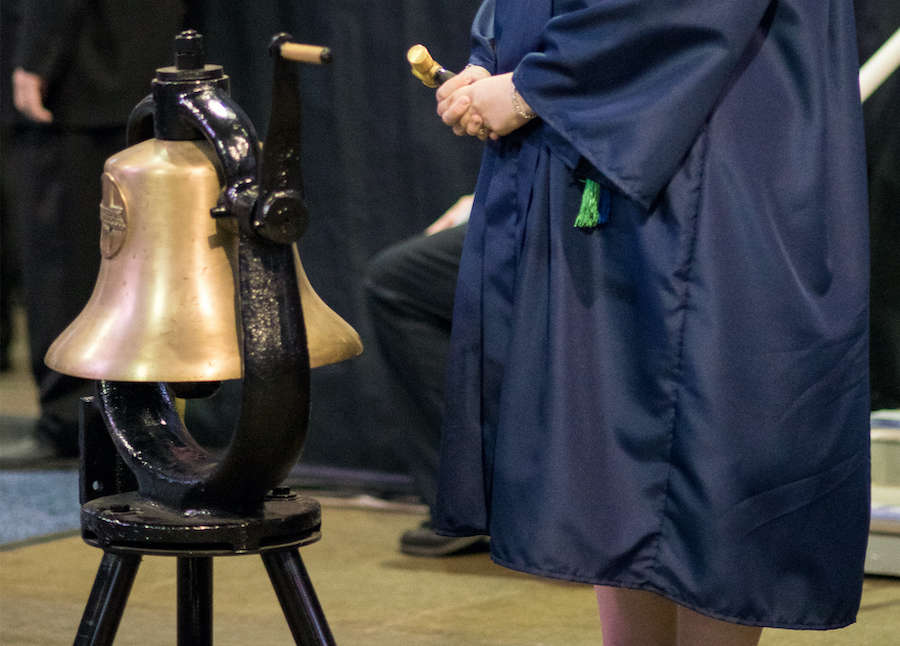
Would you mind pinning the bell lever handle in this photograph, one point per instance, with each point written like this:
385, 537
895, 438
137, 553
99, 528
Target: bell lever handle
302, 53
282, 215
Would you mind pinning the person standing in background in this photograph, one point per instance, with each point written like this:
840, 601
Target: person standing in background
80, 68
9, 122
409, 290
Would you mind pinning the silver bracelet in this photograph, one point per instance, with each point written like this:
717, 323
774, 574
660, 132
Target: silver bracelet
519, 110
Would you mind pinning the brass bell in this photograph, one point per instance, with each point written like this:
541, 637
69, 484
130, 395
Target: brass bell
164, 306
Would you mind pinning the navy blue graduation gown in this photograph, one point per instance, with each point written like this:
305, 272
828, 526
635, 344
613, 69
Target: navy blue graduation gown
676, 400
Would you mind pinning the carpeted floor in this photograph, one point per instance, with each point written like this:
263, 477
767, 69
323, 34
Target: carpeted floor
371, 595
37, 503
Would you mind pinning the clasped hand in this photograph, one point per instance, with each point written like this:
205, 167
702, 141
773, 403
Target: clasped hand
478, 104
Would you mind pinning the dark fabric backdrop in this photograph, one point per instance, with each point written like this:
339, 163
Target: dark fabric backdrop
379, 166
877, 20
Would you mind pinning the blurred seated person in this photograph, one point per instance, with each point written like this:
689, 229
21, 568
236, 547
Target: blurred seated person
410, 288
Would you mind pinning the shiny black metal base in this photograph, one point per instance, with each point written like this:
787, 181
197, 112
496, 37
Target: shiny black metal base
127, 527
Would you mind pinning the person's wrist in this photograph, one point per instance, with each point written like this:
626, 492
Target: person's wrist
521, 107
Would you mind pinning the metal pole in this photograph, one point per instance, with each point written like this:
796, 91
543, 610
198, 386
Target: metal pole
195, 590
108, 598
298, 599
882, 64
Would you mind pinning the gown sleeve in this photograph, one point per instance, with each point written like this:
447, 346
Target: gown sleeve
483, 38
630, 83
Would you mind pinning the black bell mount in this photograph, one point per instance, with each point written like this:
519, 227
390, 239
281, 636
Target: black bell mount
153, 489
264, 193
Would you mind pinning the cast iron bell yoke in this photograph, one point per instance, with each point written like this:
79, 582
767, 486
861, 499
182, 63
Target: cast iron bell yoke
264, 195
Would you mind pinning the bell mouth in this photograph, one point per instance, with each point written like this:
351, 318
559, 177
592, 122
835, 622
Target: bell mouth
194, 389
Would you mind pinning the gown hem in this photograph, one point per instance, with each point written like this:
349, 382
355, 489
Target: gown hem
649, 587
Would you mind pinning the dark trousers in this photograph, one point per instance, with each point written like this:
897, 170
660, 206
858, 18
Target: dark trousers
9, 265
57, 204
410, 289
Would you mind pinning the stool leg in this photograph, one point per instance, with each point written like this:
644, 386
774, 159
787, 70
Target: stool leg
195, 589
298, 599
108, 598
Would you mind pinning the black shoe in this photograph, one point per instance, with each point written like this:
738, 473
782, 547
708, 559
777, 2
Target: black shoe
424, 541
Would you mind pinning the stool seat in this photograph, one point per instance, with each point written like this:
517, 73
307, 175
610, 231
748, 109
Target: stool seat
127, 526
126, 522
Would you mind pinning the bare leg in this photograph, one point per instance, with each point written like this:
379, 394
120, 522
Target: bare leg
695, 629
641, 618
635, 617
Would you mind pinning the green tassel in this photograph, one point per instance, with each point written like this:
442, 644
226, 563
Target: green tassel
589, 214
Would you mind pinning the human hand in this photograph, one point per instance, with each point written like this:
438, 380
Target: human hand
28, 96
447, 90
454, 216
468, 76
484, 108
